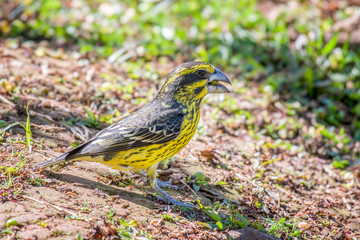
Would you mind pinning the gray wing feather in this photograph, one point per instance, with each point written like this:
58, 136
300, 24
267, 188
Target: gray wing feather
132, 132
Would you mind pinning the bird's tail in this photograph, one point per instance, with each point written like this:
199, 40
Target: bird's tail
53, 161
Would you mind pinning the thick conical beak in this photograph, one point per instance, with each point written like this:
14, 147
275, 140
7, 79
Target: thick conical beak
213, 83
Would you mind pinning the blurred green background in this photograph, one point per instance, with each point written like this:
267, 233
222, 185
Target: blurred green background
306, 52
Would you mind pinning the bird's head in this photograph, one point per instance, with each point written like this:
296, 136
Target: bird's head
191, 81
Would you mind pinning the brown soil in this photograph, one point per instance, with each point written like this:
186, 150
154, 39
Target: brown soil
292, 183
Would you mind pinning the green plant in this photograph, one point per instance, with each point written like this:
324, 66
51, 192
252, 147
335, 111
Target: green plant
91, 121
277, 228
84, 208
199, 180
223, 216
126, 229
2, 123
27, 129
11, 173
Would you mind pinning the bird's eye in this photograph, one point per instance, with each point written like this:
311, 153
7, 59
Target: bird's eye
201, 73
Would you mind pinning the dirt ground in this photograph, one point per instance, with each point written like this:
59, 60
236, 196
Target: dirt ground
261, 177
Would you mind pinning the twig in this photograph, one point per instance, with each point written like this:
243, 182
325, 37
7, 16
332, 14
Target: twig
76, 131
56, 207
47, 127
4, 100
346, 203
86, 131
287, 193
187, 185
32, 112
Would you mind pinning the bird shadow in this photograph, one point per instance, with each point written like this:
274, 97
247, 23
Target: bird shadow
207, 196
130, 196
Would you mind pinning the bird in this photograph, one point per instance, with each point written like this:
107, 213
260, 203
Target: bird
156, 131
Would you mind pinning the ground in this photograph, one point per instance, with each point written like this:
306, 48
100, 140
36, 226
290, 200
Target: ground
236, 173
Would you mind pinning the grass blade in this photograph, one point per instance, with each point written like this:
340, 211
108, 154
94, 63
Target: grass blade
330, 45
27, 129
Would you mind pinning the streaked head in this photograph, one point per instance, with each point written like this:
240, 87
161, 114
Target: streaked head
192, 81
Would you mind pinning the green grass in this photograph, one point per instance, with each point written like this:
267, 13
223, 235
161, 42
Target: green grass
27, 129
281, 227
11, 173
14, 175
223, 216
246, 42
126, 229
11, 178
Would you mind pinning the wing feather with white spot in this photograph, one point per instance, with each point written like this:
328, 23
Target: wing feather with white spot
132, 132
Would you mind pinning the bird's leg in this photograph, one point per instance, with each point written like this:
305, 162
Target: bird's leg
160, 183
151, 177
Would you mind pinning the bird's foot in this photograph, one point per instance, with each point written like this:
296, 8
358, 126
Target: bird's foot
161, 183
167, 185
169, 199
175, 202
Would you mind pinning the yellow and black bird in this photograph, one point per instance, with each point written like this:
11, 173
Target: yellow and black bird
156, 131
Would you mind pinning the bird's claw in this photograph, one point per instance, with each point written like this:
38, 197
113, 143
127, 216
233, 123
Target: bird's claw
175, 202
167, 185
169, 199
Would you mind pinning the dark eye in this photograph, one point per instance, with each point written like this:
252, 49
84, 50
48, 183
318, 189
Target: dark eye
201, 73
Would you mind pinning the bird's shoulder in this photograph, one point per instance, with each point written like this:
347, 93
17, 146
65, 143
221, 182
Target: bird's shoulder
143, 127
149, 117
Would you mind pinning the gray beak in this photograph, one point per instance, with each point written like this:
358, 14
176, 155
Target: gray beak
213, 83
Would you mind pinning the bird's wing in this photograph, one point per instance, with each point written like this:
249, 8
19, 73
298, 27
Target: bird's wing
132, 132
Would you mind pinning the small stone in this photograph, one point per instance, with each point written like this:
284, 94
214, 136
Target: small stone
51, 142
304, 225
